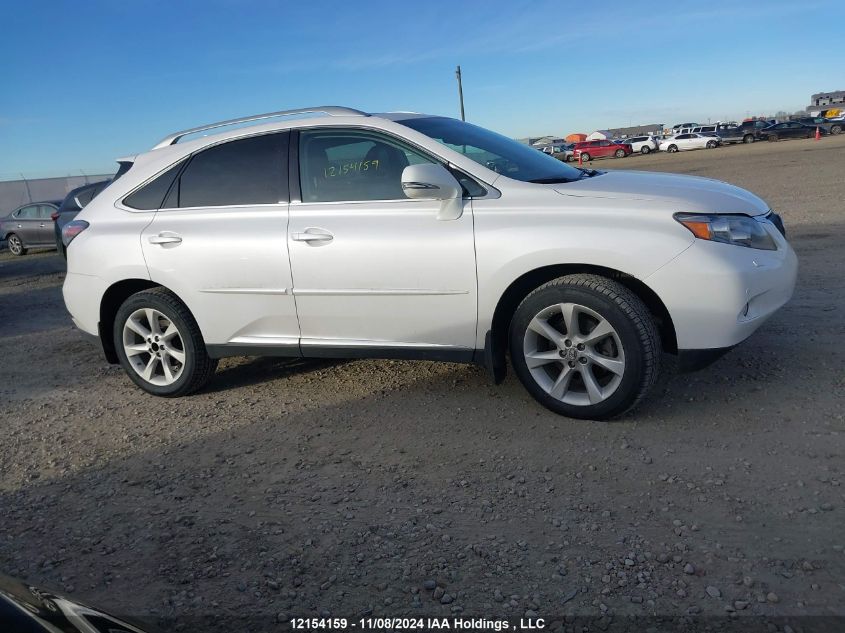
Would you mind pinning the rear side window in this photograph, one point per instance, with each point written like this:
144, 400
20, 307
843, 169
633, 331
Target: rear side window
247, 171
150, 196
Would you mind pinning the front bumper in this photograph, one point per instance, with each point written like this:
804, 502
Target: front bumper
719, 294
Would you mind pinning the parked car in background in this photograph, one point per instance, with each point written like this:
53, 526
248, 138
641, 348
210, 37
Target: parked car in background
403, 235
588, 150
566, 152
730, 133
831, 126
789, 129
642, 144
681, 142
29, 226
71, 206
751, 129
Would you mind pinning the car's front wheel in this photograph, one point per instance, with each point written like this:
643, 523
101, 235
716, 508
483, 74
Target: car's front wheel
585, 156
620, 153
835, 129
748, 138
672, 149
711, 144
585, 346
16, 246
160, 346
645, 149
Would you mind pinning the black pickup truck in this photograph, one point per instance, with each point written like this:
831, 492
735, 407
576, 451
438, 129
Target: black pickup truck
831, 127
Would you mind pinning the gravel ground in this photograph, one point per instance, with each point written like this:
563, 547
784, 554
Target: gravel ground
389, 488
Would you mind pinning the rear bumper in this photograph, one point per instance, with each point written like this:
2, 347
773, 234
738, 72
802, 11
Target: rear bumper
82, 295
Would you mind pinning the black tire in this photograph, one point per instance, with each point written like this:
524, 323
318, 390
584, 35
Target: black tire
748, 138
835, 129
645, 149
586, 156
672, 149
809, 135
620, 153
15, 244
628, 316
198, 367
711, 144
772, 138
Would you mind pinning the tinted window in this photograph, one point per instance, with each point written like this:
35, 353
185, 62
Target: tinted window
150, 196
246, 171
44, 212
340, 165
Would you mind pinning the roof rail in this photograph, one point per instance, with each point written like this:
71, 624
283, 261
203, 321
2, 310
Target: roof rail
171, 139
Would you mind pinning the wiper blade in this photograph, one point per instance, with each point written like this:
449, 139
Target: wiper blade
550, 181
589, 173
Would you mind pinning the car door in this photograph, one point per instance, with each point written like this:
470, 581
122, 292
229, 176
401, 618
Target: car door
219, 241
373, 271
44, 228
605, 148
25, 223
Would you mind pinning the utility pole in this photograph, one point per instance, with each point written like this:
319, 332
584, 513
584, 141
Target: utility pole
460, 92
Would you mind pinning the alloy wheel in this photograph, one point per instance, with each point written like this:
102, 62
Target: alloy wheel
154, 346
15, 245
574, 354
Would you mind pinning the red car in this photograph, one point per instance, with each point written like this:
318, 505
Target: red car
597, 149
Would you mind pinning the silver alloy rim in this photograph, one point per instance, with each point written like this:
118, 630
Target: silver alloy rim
574, 354
154, 347
15, 245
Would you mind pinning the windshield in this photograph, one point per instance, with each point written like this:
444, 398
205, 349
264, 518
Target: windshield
499, 153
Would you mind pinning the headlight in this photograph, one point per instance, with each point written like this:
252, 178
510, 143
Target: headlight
740, 230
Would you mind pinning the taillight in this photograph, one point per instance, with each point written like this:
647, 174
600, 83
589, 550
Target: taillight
72, 229
54, 216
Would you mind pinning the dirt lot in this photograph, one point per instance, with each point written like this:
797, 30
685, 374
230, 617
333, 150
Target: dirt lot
308, 488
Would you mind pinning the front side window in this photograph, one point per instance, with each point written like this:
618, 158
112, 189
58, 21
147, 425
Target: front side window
44, 212
351, 165
494, 151
27, 213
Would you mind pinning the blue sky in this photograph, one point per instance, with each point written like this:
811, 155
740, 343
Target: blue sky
86, 82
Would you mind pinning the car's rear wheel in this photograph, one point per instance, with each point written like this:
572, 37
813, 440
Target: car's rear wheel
772, 138
585, 156
620, 153
585, 346
835, 129
711, 144
809, 134
672, 149
160, 346
645, 149
748, 138
16, 246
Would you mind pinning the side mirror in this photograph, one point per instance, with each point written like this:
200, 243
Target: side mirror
428, 181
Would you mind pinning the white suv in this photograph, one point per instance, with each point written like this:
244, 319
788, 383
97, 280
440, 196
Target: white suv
347, 235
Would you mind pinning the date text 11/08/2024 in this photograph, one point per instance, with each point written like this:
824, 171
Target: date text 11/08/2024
412, 624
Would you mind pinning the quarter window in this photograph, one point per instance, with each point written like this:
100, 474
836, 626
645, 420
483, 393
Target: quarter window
338, 165
150, 196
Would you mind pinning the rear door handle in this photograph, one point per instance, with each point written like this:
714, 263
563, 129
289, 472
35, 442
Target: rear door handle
165, 238
312, 235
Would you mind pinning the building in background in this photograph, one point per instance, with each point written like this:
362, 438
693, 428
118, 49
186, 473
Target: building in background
14, 193
823, 101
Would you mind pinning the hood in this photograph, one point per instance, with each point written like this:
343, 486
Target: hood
680, 193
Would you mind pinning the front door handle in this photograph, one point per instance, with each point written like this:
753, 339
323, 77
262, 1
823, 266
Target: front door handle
165, 238
312, 235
